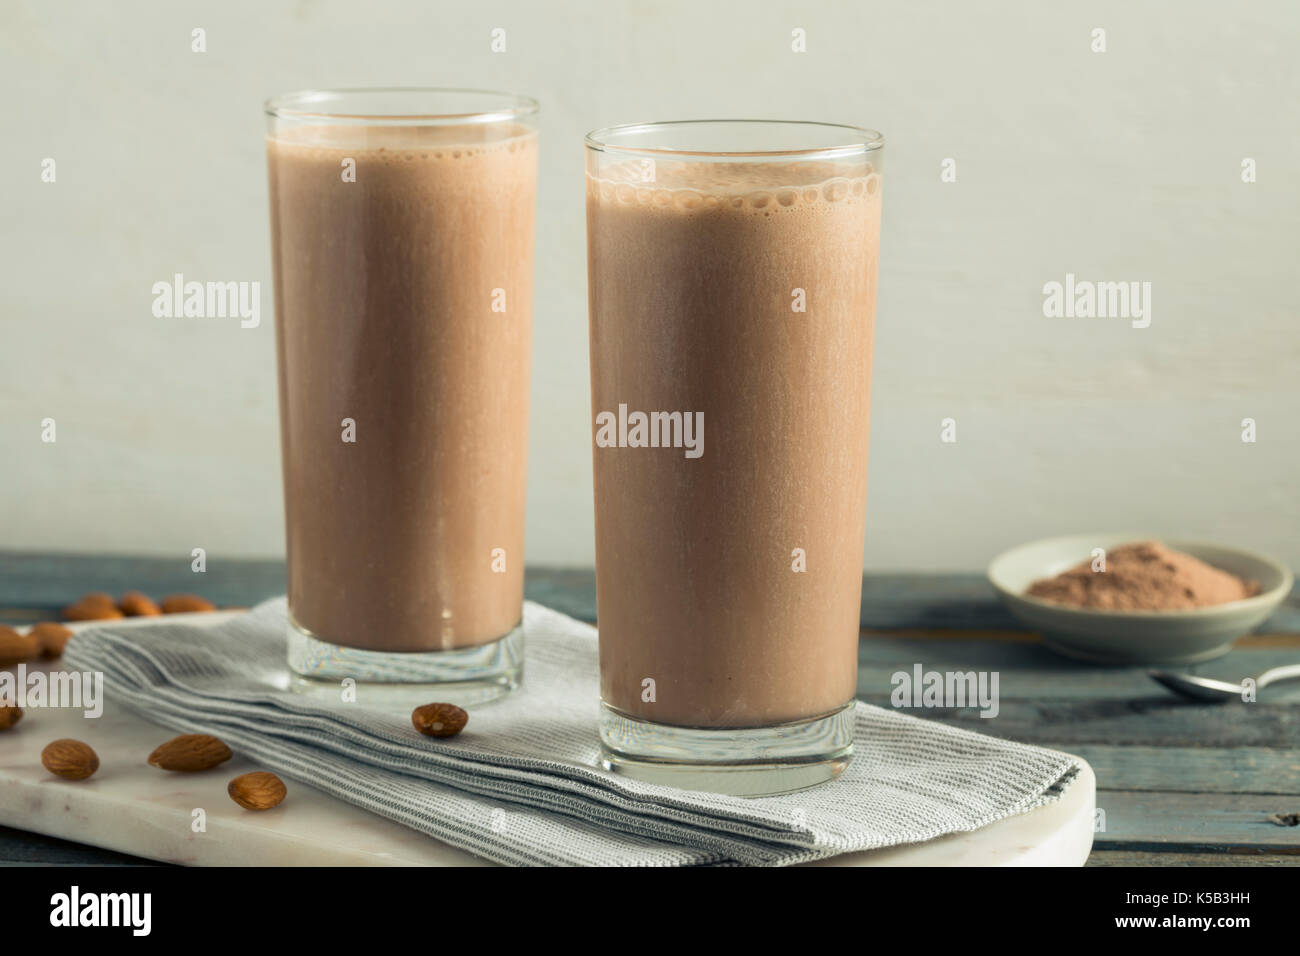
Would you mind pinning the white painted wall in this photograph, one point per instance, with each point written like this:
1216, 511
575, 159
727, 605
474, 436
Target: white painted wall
1123, 165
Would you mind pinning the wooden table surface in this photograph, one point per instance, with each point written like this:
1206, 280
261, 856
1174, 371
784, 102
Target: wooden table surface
1178, 782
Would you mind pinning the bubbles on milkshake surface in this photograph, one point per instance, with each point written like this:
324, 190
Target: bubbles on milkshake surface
836, 190
783, 188
397, 145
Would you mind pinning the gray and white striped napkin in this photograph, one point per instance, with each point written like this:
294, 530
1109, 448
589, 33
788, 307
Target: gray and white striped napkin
537, 752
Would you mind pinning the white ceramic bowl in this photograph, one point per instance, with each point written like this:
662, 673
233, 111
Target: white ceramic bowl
1136, 637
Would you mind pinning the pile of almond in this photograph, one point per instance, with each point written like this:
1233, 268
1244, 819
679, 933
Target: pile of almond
188, 753
99, 606
47, 639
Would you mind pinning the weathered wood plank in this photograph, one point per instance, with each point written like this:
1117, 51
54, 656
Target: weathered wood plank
1254, 770
1148, 721
956, 635
1106, 856
968, 602
36, 587
889, 601
570, 591
40, 585
1031, 671
1202, 822
20, 848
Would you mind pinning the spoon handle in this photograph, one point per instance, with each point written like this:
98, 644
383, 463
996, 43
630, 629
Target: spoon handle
1275, 674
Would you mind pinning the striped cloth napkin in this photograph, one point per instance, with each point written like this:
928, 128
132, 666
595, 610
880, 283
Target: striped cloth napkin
522, 783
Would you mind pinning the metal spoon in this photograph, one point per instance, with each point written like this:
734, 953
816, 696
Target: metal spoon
1218, 691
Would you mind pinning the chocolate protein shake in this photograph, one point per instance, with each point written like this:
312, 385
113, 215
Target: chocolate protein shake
403, 287
744, 293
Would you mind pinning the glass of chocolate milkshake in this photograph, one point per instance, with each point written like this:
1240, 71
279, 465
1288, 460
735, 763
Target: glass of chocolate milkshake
402, 236
732, 291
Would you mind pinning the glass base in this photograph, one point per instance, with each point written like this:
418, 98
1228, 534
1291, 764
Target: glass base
741, 761
464, 676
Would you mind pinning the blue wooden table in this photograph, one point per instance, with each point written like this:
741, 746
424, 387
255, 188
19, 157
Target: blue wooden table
1179, 782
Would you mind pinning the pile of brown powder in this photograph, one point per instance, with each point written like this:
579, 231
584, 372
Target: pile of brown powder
1144, 576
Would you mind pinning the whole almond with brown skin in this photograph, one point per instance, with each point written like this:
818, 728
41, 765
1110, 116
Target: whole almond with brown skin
137, 604
189, 753
258, 790
70, 759
185, 604
97, 606
439, 720
10, 714
15, 647
52, 637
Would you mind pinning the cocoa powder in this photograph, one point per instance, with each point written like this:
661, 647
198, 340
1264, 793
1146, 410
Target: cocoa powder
1143, 576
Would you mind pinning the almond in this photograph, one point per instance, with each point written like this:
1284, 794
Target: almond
190, 752
92, 607
137, 604
70, 759
10, 714
439, 720
258, 790
185, 604
52, 637
15, 647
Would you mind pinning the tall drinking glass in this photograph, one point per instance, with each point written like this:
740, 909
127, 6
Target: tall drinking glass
402, 234
732, 286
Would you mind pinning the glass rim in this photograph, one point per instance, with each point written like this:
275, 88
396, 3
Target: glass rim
863, 140
514, 106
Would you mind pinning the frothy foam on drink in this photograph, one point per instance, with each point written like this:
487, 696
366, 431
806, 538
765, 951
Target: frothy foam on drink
759, 187
398, 144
